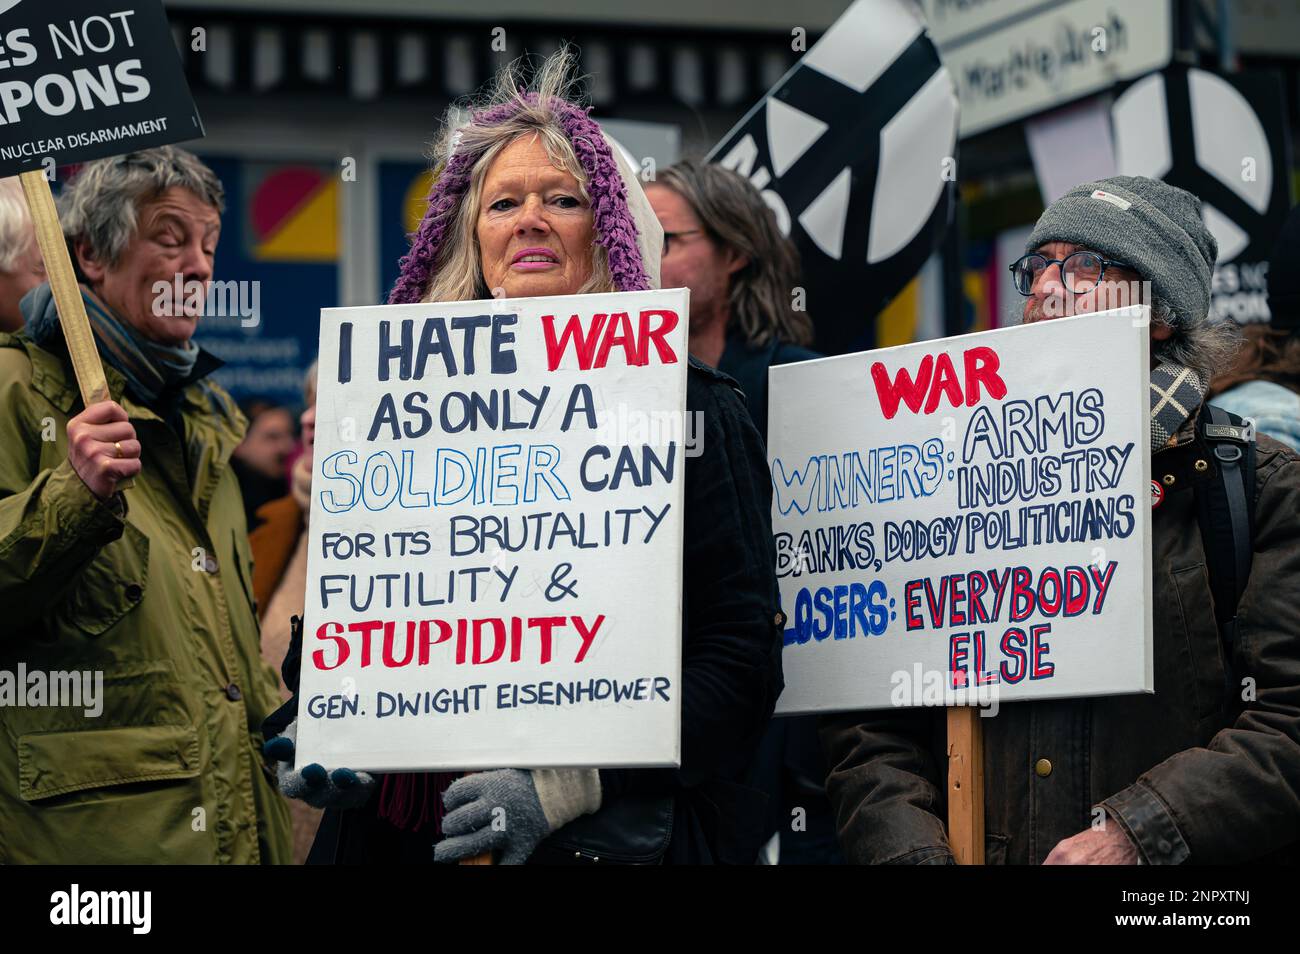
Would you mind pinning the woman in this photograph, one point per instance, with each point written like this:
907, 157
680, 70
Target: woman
532, 199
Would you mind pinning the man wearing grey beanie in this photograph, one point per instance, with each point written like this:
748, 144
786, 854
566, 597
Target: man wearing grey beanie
1207, 768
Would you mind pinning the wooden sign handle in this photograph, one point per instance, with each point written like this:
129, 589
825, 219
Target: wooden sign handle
966, 784
63, 283
67, 295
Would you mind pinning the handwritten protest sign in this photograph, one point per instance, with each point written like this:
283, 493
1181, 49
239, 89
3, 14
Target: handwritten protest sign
494, 573
965, 517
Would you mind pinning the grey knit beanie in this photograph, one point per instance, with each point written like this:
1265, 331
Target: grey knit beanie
1147, 224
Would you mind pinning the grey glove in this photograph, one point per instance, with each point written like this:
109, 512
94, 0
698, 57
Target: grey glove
341, 788
511, 810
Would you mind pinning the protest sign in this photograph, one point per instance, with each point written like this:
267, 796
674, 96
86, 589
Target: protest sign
494, 572
961, 518
79, 81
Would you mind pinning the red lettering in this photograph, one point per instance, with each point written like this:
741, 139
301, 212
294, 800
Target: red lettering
1014, 652
389, 659
1050, 575
902, 388
1041, 669
912, 603
584, 340
981, 367
957, 659
1102, 579
516, 638
937, 607
1022, 594
462, 628
982, 678
656, 335
341, 644
365, 629
588, 636
1076, 591
545, 624
956, 598
936, 379
977, 583
945, 383
498, 640
618, 331
593, 343
444, 634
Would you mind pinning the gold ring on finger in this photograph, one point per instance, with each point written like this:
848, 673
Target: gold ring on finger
117, 446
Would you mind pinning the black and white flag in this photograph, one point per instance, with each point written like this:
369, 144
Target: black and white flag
854, 149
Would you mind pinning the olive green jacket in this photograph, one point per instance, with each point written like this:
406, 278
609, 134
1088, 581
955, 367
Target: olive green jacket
154, 590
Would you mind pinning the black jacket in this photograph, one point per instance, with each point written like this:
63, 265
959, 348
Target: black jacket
731, 668
748, 364
1191, 774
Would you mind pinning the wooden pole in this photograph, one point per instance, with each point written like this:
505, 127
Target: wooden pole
67, 295
63, 283
966, 784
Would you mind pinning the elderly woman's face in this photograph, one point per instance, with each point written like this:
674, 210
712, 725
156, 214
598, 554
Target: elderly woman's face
176, 235
534, 226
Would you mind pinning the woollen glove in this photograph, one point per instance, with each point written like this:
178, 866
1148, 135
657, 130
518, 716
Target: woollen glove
510, 811
340, 788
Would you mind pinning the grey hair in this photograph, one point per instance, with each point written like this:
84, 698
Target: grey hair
459, 272
1208, 346
100, 205
16, 232
732, 213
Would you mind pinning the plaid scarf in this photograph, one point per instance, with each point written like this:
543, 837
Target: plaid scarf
1176, 393
148, 366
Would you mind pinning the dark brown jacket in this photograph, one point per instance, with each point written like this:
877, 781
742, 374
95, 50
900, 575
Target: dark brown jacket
1191, 775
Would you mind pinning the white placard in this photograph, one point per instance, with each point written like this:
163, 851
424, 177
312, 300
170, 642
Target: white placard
966, 517
494, 573
1014, 58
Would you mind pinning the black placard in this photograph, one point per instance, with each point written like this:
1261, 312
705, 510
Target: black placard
84, 79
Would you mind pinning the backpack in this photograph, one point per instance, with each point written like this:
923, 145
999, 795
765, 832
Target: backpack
1226, 514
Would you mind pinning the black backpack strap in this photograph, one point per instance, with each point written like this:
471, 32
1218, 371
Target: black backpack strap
1225, 509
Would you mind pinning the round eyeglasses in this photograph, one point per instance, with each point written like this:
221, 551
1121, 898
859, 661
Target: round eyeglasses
1080, 271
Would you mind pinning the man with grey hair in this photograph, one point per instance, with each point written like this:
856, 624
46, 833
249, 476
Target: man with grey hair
21, 265
1206, 769
149, 585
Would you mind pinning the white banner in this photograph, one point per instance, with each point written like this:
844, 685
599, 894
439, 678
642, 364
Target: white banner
961, 518
494, 573
1013, 58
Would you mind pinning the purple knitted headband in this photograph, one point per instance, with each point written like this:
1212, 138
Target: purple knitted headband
614, 228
